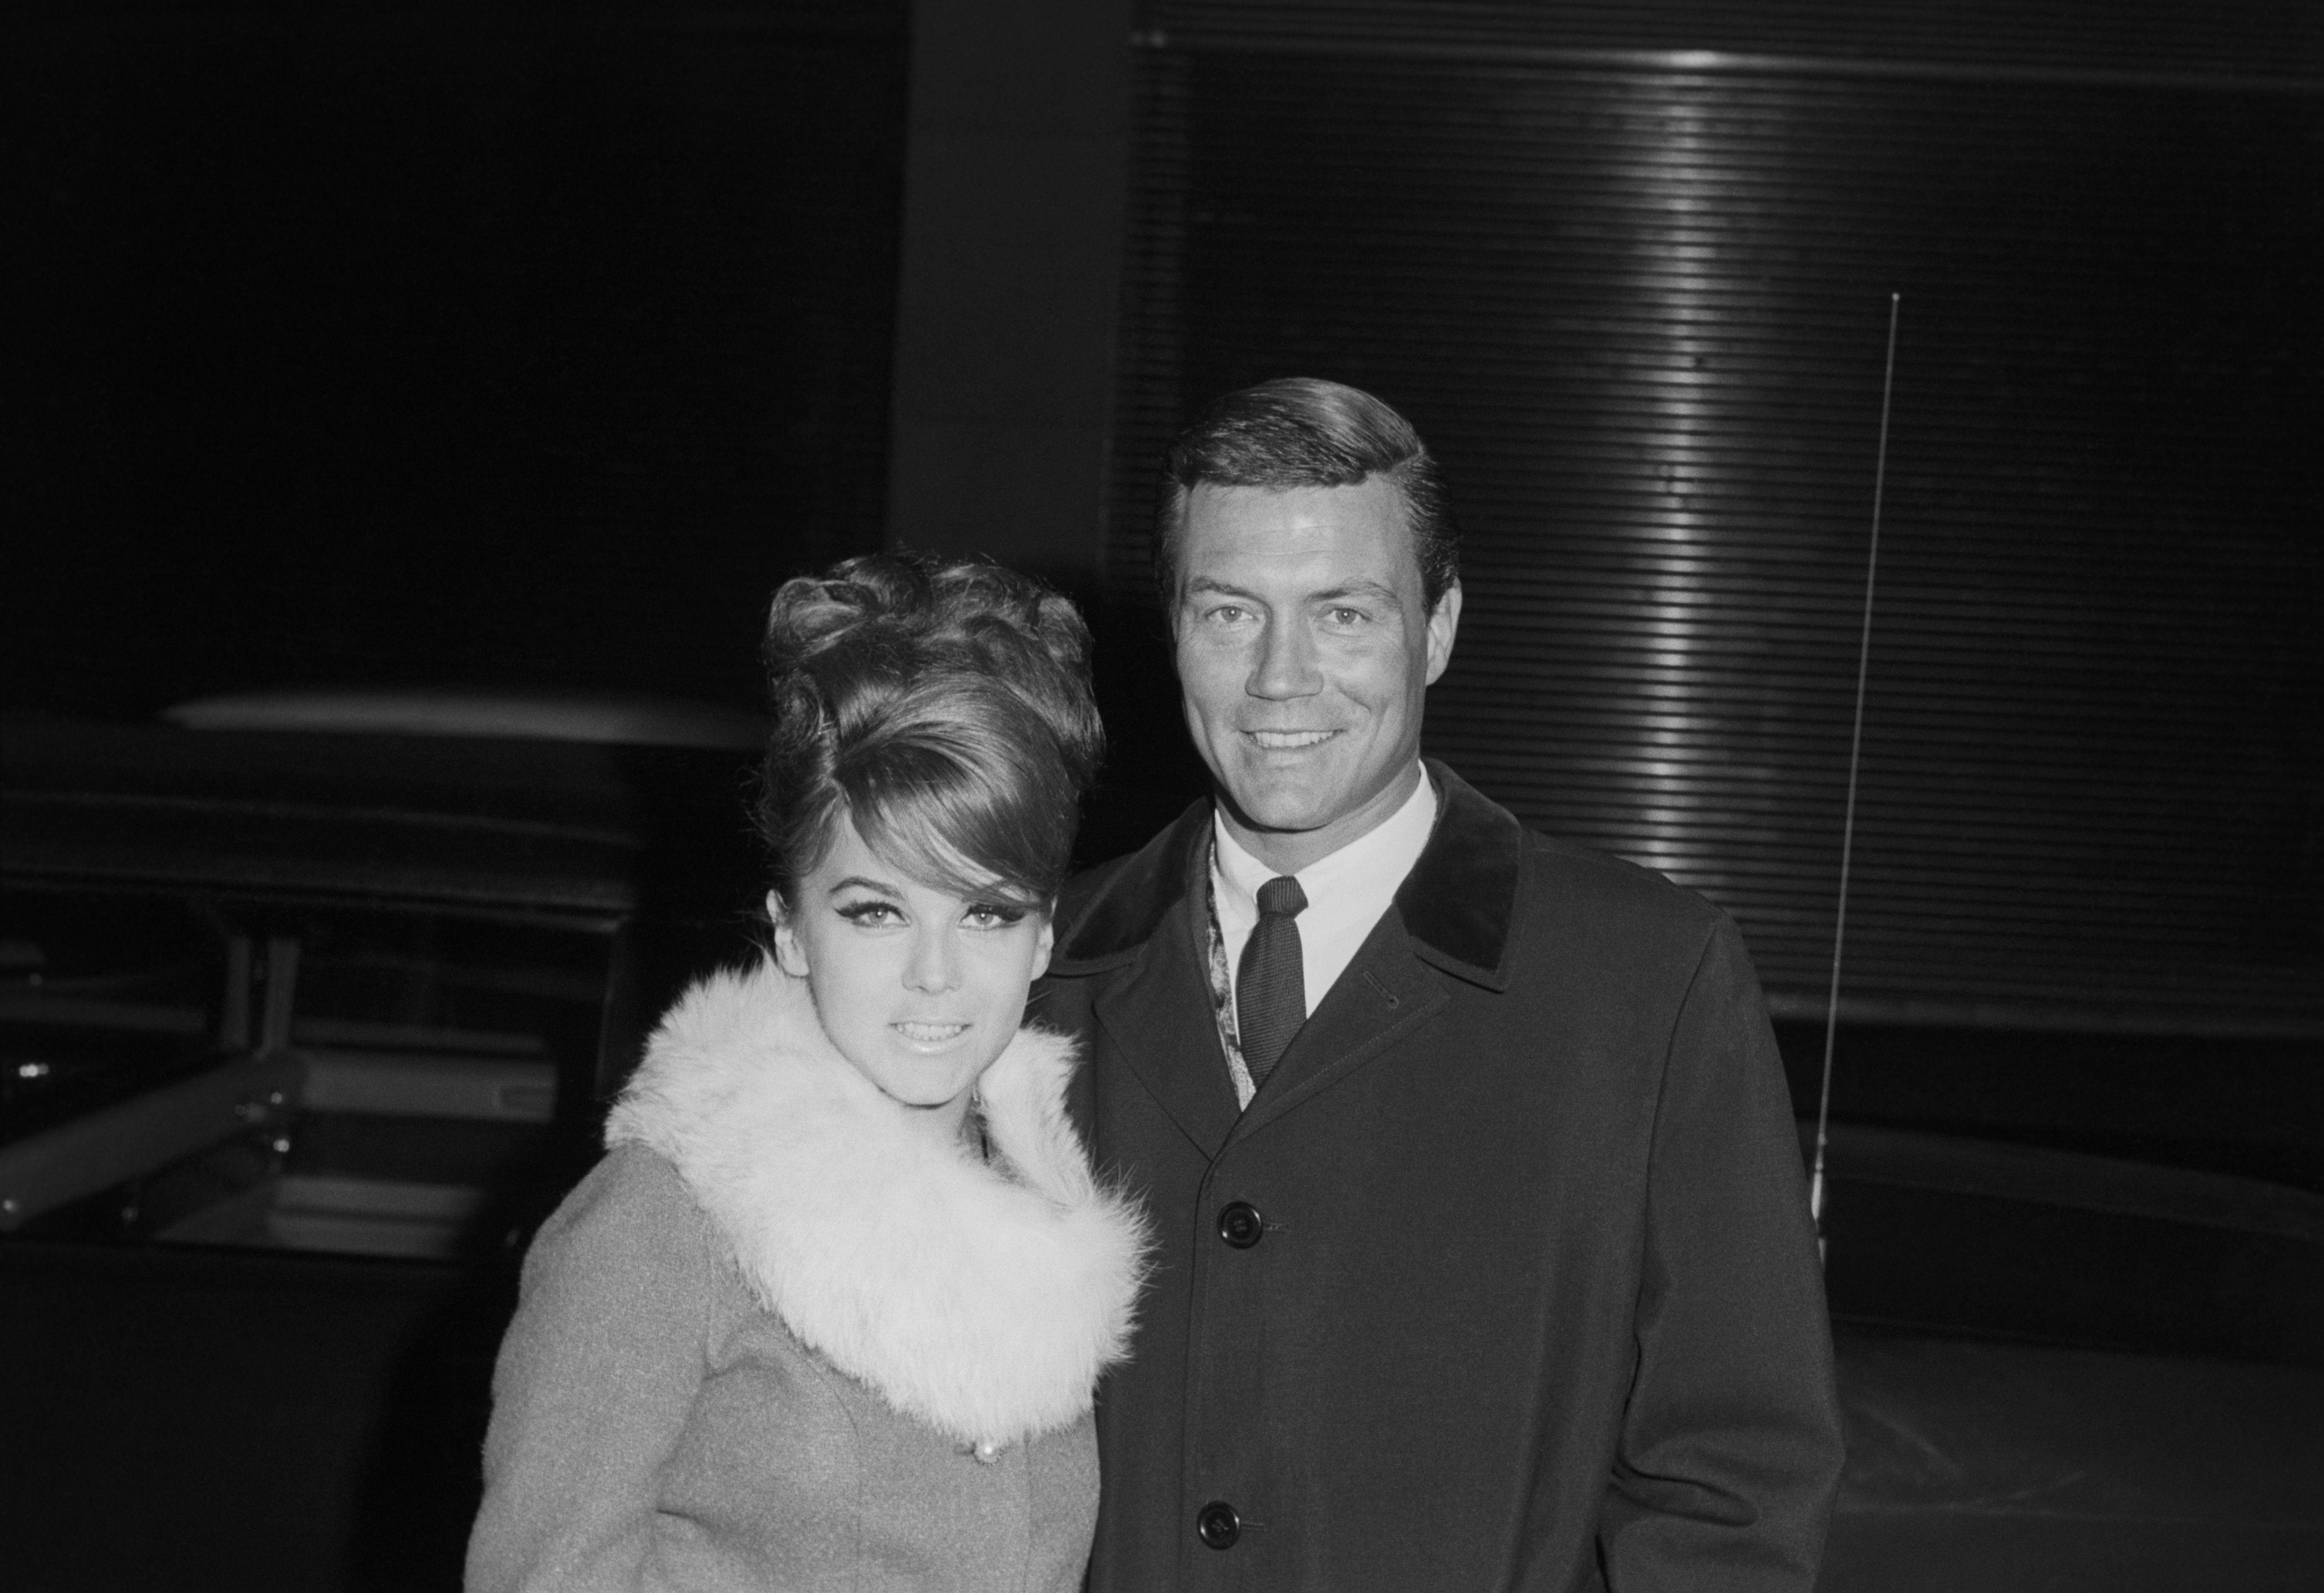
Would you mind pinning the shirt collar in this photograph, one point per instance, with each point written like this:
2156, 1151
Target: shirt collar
1385, 853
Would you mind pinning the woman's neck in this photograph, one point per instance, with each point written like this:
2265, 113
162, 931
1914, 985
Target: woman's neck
950, 1124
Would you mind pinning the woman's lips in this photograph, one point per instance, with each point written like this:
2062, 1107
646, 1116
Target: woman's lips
931, 1034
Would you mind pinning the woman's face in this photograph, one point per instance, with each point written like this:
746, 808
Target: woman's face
919, 988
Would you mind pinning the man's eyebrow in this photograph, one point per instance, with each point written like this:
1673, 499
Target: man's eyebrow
1386, 597
1373, 591
1204, 584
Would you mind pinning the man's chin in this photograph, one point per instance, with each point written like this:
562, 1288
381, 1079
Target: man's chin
1280, 812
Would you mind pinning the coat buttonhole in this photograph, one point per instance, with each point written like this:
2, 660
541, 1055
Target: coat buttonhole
1387, 995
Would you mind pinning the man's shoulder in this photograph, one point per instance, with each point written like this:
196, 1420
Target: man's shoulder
1489, 886
1106, 913
1570, 875
1586, 910
1086, 890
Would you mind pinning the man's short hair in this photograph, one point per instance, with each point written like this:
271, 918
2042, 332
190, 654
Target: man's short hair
1302, 432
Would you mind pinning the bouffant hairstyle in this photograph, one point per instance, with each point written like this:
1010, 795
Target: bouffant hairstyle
1303, 432
945, 708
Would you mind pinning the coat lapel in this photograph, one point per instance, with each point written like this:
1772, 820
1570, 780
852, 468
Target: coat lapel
1159, 1017
1452, 913
1385, 993
1452, 919
1459, 902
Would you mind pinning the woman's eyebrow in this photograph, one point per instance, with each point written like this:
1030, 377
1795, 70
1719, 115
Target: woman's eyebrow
858, 882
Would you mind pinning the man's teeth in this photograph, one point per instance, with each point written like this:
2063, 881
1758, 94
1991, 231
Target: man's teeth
1285, 740
926, 1031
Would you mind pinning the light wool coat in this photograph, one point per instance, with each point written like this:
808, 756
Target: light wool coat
778, 1339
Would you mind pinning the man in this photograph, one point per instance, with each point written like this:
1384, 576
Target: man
1484, 1258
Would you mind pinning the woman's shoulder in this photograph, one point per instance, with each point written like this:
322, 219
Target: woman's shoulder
632, 1215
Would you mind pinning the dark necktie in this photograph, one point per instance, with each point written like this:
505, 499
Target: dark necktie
1270, 984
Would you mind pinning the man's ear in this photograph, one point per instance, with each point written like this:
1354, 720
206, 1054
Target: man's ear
1444, 620
789, 955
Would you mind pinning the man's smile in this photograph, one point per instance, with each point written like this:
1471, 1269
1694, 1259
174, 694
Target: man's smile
1289, 740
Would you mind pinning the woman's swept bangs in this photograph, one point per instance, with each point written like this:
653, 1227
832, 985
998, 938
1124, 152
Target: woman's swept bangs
964, 797
957, 787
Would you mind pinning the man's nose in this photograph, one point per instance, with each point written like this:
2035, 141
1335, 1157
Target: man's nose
935, 965
1286, 665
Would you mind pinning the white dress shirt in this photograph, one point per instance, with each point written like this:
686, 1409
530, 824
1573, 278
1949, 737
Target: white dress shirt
1346, 892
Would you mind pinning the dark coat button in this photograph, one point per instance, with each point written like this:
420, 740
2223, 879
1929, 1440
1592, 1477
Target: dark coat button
1239, 1225
1216, 1522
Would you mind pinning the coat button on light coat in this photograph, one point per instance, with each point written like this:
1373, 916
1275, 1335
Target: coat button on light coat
1239, 1225
1216, 1522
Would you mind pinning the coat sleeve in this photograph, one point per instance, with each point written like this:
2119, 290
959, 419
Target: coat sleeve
1730, 1452
595, 1382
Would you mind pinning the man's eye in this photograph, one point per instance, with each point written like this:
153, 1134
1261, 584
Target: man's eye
1346, 616
1229, 613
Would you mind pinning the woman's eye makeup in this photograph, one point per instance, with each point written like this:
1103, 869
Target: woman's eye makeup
992, 914
869, 913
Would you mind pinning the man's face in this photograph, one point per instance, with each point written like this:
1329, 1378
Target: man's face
1304, 654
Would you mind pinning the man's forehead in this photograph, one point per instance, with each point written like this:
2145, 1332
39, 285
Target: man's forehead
1363, 529
1373, 495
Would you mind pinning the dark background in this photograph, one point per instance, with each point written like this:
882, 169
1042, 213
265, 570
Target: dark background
474, 346
529, 345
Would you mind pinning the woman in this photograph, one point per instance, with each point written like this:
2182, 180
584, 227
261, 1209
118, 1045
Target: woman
828, 1312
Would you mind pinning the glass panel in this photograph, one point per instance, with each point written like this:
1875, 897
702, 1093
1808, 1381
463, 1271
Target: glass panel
360, 1080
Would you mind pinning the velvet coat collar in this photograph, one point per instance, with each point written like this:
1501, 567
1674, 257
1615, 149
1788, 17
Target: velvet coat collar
1457, 904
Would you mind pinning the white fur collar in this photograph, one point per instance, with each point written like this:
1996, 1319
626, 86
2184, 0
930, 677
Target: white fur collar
984, 1299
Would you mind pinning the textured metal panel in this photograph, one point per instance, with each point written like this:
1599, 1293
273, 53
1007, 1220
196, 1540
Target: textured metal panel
1638, 307
2250, 41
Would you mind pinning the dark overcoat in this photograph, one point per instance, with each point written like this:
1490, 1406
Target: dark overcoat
1505, 1279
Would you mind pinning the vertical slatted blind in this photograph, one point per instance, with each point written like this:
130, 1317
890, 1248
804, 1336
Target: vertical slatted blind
1634, 295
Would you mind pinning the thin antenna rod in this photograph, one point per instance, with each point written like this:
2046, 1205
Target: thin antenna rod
1855, 760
